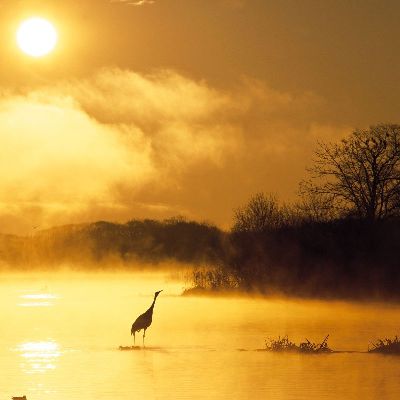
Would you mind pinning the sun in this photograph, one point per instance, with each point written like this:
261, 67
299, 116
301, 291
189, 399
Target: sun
36, 37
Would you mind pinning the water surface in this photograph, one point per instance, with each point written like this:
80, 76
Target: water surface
59, 339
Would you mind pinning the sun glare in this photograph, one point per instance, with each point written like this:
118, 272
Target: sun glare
36, 37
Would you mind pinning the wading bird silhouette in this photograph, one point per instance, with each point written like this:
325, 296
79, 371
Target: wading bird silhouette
144, 320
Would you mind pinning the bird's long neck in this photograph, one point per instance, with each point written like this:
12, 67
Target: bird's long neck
152, 304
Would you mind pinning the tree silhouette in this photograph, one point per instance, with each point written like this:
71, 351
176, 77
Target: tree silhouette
360, 176
261, 213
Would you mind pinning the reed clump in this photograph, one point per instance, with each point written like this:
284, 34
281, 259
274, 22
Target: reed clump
284, 344
280, 344
386, 346
211, 279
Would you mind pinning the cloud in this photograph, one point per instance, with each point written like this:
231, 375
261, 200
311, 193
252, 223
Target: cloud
121, 144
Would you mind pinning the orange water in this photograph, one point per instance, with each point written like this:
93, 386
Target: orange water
59, 339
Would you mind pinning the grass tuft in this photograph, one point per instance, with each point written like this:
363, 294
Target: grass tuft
285, 345
386, 346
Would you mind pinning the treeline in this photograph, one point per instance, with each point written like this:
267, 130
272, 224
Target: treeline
292, 255
298, 256
341, 238
340, 258
108, 244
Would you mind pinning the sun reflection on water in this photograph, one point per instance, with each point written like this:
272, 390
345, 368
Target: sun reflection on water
38, 300
39, 357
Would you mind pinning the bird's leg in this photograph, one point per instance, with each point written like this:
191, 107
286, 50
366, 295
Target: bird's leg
134, 341
144, 335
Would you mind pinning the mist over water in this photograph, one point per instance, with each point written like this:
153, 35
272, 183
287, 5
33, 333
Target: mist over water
60, 333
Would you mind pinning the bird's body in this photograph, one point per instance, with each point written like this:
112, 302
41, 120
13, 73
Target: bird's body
144, 320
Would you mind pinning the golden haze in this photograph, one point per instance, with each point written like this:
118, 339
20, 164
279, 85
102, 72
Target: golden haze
195, 113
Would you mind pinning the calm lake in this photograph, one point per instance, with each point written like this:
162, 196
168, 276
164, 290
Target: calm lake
60, 333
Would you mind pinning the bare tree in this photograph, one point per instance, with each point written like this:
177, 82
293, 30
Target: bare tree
313, 206
360, 175
260, 214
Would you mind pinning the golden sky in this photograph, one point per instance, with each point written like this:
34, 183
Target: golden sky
166, 107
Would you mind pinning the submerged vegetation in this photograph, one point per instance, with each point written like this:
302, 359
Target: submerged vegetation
280, 344
284, 344
386, 346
